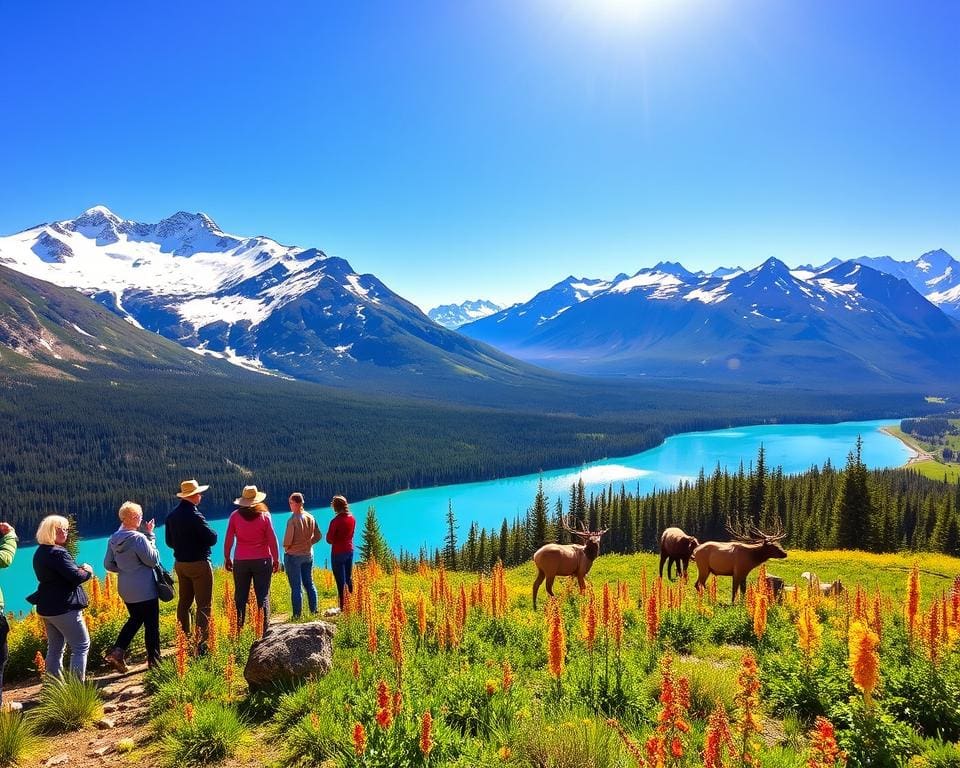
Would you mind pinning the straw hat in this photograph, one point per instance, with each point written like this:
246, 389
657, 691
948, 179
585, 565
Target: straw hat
250, 496
190, 488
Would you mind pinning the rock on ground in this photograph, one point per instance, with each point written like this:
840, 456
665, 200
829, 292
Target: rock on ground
290, 653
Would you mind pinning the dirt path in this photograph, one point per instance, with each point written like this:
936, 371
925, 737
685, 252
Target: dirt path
125, 715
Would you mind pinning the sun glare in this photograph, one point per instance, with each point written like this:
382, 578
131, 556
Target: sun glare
625, 13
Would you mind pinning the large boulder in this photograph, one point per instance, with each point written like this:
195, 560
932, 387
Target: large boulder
290, 653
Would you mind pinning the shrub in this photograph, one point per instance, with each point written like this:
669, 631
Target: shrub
316, 738
709, 683
732, 626
578, 741
790, 688
679, 630
871, 737
211, 733
17, 737
67, 704
925, 697
203, 682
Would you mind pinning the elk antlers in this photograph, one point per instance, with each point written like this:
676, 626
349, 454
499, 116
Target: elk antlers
751, 534
583, 532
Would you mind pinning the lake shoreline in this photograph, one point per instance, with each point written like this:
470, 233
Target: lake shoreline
918, 456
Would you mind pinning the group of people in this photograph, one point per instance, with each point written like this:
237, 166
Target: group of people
251, 553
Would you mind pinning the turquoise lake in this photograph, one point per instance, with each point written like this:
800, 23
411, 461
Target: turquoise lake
412, 518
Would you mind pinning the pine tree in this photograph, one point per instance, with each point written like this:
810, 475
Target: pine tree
853, 509
372, 544
450, 541
538, 516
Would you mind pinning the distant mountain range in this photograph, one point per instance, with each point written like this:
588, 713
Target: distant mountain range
296, 312
452, 316
845, 323
251, 301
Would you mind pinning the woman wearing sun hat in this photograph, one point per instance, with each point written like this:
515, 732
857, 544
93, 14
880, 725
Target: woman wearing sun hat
257, 554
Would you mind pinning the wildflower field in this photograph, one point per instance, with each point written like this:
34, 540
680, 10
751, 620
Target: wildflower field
433, 668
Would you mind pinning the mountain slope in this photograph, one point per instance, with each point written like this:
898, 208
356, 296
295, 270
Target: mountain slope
252, 301
52, 331
935, 274
769, 325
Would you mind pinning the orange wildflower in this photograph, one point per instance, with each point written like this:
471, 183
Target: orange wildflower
864, 662
230, 672
188, 712
934, 633
556, 639
181, 652
877, 623
666, 743
748, 712
426, 739
605, 614
760, 615
824, 752
507, 682
653, 617
384, 709
616, 623
490, 687
590, 622
719, 740
913, 599
356, 668
359, 739
421, 617
809, 632
40, 663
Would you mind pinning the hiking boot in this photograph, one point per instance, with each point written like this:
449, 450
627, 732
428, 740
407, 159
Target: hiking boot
115, 660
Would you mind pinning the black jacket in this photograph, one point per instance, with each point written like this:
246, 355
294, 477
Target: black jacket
59, 580
188, 534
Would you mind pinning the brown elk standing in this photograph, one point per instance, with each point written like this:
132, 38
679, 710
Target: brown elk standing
676, 549
737, 558
554, 560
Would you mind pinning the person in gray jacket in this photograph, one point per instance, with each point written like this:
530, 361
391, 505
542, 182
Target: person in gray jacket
133, 555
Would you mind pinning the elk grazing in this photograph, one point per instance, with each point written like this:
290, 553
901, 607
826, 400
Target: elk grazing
554, 560
676, 549
737, 558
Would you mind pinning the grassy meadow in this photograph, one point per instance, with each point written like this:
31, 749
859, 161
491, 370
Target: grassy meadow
455, 669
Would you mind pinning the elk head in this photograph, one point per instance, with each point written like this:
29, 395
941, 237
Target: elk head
589, 540
770, 546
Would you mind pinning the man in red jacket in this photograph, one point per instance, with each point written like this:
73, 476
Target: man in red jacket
340, 539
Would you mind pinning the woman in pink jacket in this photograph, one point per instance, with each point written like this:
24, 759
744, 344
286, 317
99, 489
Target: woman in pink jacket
257, 555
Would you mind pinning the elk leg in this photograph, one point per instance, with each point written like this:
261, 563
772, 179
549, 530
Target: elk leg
581, 583
550, 585
685, 562
663, 557
536, 586
702, 575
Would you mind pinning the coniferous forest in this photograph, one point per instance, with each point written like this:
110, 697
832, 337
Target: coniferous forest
82, 447
826, 507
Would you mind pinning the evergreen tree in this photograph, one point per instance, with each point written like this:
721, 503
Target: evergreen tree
372, 544
538, 518
503, 552
450, 541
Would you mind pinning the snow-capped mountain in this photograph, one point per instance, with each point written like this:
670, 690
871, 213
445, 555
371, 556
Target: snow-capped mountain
848, 324
251, 300
452, 316
935, 274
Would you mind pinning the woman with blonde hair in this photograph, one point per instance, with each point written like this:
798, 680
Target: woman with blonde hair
301, 534
133, 555
60, 598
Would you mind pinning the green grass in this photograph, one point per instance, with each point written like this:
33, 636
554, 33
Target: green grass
67, 704
17, 738
935, 470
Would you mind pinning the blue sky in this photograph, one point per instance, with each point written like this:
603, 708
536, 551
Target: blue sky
487, 148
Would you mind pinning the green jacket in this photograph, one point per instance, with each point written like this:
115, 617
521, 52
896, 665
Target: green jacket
8, 549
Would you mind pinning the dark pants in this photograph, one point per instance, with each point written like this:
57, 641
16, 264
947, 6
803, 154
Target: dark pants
258, 573
4, 631
342, 566
147, 615
194, 582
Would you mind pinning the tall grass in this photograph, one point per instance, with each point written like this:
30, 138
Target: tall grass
17, 738
210, 733
67, 704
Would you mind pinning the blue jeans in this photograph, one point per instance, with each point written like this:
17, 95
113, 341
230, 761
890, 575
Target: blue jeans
67, 628
299, 570
342, 566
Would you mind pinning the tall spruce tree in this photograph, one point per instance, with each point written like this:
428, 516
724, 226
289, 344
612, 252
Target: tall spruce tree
853, 509
450, 540
372, 544
538, 518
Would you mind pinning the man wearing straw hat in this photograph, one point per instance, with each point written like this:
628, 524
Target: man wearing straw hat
190, 537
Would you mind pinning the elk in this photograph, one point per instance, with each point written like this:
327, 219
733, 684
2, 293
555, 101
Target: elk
676, 548
737, 558
554, 560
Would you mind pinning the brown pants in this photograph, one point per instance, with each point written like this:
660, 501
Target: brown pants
194, 582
